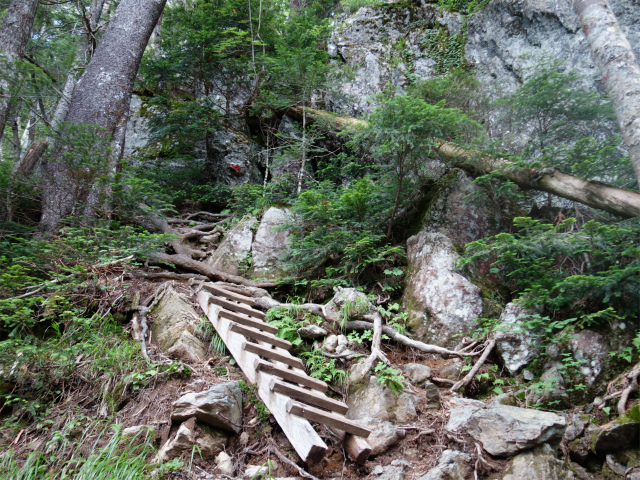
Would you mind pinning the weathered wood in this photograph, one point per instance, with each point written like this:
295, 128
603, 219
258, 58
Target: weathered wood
357, 448
248, 321
305, 440
331, 419
273, 354
309, 396
237, 307
236, 297
258, 335
291, 375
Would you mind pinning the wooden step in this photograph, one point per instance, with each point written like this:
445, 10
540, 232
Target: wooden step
292, 376
327, 418
273, 354
236, 307
308, 396
262, 336
248, 321
222, 292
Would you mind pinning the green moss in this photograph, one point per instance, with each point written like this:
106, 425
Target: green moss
632, 416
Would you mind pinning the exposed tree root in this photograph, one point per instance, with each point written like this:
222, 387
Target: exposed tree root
376, 352
273, 448
394, 335
632, 387
181, 277
469, 377
139, 320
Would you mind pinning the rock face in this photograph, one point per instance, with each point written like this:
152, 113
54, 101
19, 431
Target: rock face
401, 42
462, 220
176, 326
440, 302
220, 406
235, 248
616, 437
233, 156
452, 465
516, 345
378, 401
538, 464
417, 373
270, 244
505, 430
461, 411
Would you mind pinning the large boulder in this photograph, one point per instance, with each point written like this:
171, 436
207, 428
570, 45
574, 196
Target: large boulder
452, 465
235, 249
270, 244
516, 344
440, 302
176, 327
370, 398
504, 430
539, 464
220, 406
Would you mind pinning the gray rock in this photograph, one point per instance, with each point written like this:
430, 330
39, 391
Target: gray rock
234, 248
417, 373
378, 401
210, 239
504, 430
224, 464
133, 431
312, 332
432, 396
396, 471
232, 155
616, 437
516, 344
137, 135
270, 244
440, 302
527, 375
575, 428
330, 343
461, 411
220, 406
452, 465
453, 370
176, 326
258, 471
383, 436
551, 389
538, 464
211, 443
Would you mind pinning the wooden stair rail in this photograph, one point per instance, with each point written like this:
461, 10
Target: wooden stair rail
292, 396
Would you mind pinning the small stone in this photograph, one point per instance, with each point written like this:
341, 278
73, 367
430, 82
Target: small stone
330, 343
461, 411
432, 396
210, 443
417, 373
256, 471
312, 332
575, 428
452, 465
244, 438
343, 344
383, 436
528, 376
133, 431
224, 463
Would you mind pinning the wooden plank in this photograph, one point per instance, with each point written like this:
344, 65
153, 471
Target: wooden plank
237, 307
305, 440
292, 376
273, 354
309, 396
330, 419
357, 448
258, 335
248, 321
236, 297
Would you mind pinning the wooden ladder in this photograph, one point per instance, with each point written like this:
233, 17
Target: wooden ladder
293, 397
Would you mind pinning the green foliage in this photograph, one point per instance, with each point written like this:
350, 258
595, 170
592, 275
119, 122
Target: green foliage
463, 6
352, 6
251, 393
390, 377
323, 368
111, 457
286, 319
447, 50
394, 317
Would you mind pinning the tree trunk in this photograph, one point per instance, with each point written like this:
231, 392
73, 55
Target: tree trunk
14, 35
618, 66
598, 195
102, 95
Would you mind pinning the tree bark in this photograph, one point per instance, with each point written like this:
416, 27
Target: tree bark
619, 68
102, 95
14, 35
618, 201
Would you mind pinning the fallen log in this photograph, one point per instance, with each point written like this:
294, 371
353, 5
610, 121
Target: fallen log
618, 201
